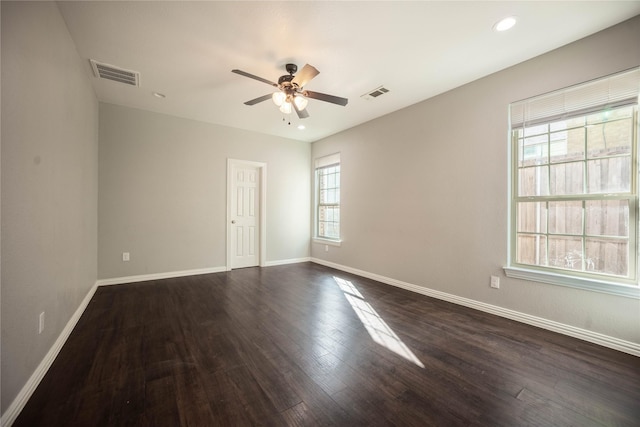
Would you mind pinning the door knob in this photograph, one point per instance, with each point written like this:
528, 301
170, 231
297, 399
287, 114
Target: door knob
233, 221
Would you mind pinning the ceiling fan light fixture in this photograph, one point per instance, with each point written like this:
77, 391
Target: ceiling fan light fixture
286, 107
301, 102
278, 98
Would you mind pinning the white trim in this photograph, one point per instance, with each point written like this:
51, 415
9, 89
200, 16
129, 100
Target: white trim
18, 404
572, 331
263, 208
158, 276
628, 291
331, 159
287, 261
330, 242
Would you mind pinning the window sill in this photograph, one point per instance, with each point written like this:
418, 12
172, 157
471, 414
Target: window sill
629, 291
329, 242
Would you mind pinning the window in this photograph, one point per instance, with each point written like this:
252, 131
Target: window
328, 197
574, 196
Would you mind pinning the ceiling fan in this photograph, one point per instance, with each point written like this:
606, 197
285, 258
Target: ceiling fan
291, 94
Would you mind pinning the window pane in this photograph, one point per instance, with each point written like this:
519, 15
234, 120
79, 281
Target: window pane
534, 181
607, 218
565, 252
534, 151
330, 229
331, 181
532, 217
567, 178
334, 232
608, 256
531, 249
331, 196
611, 175
329, 222
610, 138
567, 145
565, 217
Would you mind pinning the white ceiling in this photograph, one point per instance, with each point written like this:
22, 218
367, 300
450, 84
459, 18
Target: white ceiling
186, 50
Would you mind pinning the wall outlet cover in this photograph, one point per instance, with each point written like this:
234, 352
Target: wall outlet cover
495, 282
41, 323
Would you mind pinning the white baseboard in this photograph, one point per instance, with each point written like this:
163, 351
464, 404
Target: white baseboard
158, 276
184, 273
21, 399
572, 331
286, 261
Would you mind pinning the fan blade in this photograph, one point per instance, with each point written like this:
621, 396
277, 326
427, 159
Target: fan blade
302, 114
251, 76
327, 98
262, 98
305, 75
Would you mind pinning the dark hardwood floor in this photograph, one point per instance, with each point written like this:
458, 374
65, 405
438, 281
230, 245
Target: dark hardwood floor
308, 345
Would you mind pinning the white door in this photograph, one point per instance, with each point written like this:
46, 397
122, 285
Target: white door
244, 216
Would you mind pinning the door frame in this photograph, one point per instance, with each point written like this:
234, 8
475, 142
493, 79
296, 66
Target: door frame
262, 202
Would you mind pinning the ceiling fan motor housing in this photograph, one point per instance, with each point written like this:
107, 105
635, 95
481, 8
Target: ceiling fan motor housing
291, 68
284, 79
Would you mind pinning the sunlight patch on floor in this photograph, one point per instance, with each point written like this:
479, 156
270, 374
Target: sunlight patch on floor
378, 329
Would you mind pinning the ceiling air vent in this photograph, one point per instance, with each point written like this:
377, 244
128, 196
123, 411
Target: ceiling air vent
111, 72
375, 93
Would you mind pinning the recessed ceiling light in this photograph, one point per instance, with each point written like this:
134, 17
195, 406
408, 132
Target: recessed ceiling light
505, 24
159, 95
301, 127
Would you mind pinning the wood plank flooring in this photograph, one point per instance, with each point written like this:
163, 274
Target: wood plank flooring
306, 345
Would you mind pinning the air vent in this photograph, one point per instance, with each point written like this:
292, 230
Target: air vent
375, 93
116, 74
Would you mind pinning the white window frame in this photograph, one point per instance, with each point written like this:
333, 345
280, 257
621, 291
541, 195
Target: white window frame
612, 91
322, 163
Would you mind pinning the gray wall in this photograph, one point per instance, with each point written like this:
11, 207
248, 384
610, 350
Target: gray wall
162, 193
424, 190
49, 186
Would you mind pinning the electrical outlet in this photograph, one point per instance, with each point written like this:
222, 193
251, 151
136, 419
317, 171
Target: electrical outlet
495, 282
125, 256
326, 248
41, 323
